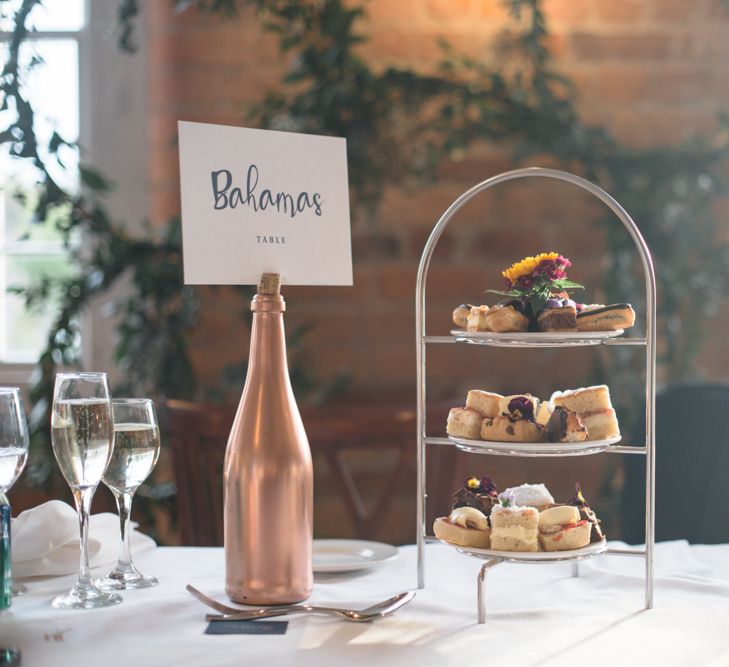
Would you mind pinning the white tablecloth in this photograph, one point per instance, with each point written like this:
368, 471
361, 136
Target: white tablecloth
537, 615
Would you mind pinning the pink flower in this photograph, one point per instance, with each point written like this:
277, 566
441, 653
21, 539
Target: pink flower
552, 269
525, 282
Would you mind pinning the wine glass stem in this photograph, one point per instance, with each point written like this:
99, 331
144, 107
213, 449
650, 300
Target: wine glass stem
83, 498
124, 505
6, 580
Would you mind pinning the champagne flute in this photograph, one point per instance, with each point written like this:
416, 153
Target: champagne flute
136, 450
83, 439
13, 455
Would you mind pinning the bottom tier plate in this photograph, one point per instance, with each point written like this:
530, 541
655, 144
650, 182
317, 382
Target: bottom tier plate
594, 549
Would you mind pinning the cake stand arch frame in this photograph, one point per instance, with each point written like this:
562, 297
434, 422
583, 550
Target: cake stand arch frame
422, 340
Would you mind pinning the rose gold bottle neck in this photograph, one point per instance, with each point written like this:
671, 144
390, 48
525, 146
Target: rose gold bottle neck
268, 303
268, 340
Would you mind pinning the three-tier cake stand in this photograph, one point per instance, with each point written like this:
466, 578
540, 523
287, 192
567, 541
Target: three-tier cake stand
646, 449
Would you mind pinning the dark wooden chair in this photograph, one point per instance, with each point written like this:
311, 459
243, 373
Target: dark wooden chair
198, 435
692, 457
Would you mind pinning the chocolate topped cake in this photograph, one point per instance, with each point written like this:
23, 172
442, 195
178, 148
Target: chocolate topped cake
565, 425
578, 501
481, 495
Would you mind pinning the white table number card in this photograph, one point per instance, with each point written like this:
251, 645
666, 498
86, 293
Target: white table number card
256, 201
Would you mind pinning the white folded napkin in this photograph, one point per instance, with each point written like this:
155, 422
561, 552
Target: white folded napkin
45, 540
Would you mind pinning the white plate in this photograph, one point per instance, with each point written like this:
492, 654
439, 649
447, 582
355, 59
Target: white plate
534, 338
533, 448
590, 550
350, 555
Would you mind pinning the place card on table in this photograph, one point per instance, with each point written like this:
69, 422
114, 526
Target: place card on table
261, 201
247, 628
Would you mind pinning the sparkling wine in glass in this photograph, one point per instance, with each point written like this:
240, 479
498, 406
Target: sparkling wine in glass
136, 449
13, 455
83, 439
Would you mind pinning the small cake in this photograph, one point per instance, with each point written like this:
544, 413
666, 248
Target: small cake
594, 408
584, 400
558, 315
565, 425
606, 318
561, 528
531, 495
601, 425
478, 319
503, 429
464, 423
466, 527
484, 402
514, 528
578, 500
460, 315
507, 316
480, 494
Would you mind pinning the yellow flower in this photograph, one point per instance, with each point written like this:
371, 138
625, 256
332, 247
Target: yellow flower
526, 266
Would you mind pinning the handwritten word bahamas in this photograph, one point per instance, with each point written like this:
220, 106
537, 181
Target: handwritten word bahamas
226, 196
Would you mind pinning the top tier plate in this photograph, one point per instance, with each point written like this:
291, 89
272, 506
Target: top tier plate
534, 338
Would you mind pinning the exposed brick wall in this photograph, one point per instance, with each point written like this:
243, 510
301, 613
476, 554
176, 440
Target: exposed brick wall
650, 70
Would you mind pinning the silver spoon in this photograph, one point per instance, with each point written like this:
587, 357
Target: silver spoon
378, 610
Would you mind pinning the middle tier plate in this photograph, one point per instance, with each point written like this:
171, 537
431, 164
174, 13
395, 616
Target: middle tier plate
533, 448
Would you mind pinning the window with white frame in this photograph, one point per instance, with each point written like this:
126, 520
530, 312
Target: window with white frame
28, 251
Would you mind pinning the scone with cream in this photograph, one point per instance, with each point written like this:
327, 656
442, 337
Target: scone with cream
466, 527
561, 529
514, 528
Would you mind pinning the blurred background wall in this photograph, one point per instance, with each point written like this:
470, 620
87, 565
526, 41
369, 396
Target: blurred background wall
651, 74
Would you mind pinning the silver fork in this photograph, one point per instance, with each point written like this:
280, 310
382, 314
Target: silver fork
379, 610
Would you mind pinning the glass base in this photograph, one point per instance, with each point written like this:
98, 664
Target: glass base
9, 656
18, 589
85, 597
120, 580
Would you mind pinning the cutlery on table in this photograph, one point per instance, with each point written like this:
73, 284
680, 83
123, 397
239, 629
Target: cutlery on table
379, 610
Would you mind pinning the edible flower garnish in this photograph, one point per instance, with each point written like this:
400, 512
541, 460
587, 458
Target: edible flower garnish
521, 408
488, 486
507, 499
538, 279
484, 486
578, 500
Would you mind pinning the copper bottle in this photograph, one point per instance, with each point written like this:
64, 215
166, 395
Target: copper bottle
268, 475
